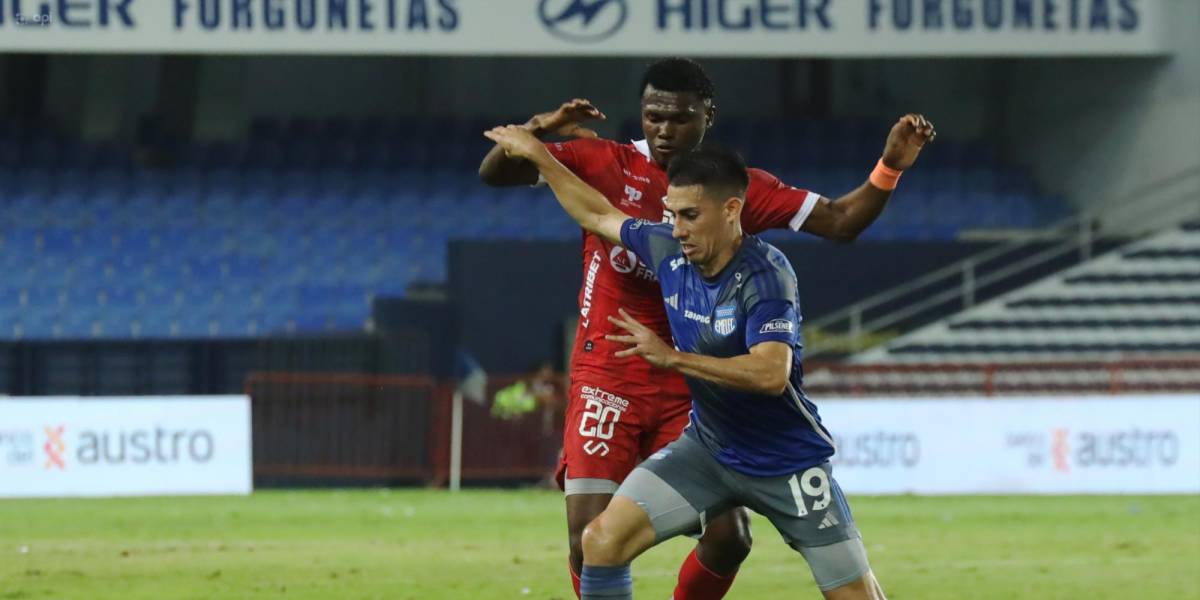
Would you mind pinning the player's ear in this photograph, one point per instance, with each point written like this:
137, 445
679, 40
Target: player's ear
710, 115
733, 209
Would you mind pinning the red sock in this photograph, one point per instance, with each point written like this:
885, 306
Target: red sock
574, 578
696, 582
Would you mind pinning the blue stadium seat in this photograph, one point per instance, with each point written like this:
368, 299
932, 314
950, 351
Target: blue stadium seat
36, 325
153, 324
293, 228
12, 298
17, 241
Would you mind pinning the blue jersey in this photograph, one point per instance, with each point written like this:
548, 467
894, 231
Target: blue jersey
753, 300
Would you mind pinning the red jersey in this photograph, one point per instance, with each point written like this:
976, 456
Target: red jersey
613, 277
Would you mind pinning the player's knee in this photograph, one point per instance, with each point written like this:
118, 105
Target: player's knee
599, 545
742, 540
728, 541
862, 589
604, 543
581, 510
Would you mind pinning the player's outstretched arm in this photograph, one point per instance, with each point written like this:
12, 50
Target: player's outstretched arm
584, 203
501, 170
850, 215
765, 370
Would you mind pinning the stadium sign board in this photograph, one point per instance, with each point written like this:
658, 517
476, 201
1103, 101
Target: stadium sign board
761, 28
141, 446
1047, 445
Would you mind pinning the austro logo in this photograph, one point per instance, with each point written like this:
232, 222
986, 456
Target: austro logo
55, 447
1065, 450
137, 446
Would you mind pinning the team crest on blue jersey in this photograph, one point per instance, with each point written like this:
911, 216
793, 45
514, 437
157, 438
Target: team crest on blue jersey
726, 319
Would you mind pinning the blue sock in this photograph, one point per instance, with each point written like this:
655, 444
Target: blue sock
606, 583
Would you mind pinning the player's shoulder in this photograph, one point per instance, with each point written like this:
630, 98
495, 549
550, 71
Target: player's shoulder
646, 226
588, 147
762, 182
658, 234
761, 176
652, 241
768, 270
765, 255
763, 185
599, 162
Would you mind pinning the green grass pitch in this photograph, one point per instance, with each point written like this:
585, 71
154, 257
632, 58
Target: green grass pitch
431, 545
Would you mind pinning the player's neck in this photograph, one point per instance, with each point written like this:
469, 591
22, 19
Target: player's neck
714, 267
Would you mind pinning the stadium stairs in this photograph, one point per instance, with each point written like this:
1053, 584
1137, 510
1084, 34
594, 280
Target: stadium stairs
1141, 300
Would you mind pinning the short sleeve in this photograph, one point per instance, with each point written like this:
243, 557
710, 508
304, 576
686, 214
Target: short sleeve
772, 321
568, 153
651, 242
772, 204
583, 156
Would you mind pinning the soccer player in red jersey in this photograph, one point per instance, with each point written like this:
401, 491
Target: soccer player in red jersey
621, 410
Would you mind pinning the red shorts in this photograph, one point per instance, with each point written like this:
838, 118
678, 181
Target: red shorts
606, 435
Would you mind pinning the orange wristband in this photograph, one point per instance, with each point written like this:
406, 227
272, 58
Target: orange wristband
885, 177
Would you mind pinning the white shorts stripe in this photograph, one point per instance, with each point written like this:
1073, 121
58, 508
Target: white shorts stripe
572, 487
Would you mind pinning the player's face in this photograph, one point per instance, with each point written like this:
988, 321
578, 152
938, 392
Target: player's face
704, 226
674, 122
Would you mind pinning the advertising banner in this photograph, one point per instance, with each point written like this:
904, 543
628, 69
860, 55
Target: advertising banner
795, 28
1050, 445
136, 446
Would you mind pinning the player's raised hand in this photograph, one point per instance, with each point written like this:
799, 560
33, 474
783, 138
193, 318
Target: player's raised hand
516, 141
904, 143
567, 120
643, 342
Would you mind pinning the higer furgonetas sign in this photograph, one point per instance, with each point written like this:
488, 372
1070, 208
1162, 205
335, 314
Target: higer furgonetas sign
797, 28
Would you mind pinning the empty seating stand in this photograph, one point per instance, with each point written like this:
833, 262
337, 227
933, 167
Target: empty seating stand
1141, 300
297, 227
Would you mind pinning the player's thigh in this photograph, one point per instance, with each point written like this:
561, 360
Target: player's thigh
582, 508
600, 439
680, 487
811, 513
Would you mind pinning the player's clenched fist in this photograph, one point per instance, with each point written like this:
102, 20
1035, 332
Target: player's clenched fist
516, 141
904, 143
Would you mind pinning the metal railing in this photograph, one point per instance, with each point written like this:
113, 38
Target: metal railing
345, 428
961, 285
392, 429
955, 380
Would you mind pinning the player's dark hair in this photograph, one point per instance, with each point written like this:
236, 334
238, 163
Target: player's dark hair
721, 172
678, 75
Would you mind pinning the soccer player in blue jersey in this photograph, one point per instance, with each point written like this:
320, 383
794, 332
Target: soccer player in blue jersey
754, 440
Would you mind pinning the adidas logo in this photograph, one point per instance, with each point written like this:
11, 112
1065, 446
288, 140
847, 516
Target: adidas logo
828, 521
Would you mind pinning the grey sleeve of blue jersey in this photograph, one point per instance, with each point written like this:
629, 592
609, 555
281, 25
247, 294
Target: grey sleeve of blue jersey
651, 242
770, 284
